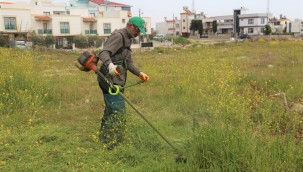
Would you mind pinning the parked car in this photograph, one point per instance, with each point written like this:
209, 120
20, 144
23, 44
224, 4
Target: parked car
21, 44
159, 37
244, 36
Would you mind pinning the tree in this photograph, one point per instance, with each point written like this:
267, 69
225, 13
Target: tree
94, 41
215, 26
196, 25
267, 30
81, 41
49, 40
37, 40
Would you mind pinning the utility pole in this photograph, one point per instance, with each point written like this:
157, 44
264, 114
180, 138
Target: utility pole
140, 12
267, 10
193, 7
174, 25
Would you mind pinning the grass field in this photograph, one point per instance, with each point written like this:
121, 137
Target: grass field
214, 102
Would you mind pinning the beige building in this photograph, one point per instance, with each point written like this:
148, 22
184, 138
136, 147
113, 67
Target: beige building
64, 20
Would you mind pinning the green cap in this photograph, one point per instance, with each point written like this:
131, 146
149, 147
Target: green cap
139, 22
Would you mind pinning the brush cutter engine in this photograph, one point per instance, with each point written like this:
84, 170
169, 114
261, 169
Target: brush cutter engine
87, 61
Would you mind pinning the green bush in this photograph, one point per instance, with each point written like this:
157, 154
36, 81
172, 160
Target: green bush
94, 41
181, 40
81, 42
37, 40
3, 41
49, 40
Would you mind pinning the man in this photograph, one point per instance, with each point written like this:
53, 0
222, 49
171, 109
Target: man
116, 59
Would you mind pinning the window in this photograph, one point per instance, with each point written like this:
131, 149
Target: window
64, 27
183, 27
44, 25
250, 21
92, 14
250, 30
107, 29
59, 12
183, 20
262, 29
177, 25
262, 20
10, 23
125, 8
123, 20
46, 13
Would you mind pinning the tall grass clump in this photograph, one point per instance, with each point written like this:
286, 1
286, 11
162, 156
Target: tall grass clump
22, 89
181, 40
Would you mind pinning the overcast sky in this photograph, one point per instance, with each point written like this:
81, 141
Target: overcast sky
158, 9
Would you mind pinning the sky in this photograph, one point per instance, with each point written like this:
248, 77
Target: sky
159, 9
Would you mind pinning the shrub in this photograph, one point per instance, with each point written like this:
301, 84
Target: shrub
261, 40
94, 41
37, 40
181, 40
3, 41
81, 42
49, 40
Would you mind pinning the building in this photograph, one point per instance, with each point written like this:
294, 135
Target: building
225, 24
162, 28
278, 25
64, 21
186, 17
253, 24
295, 27
173, 28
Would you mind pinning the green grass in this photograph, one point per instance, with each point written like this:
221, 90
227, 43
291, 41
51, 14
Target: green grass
212, 101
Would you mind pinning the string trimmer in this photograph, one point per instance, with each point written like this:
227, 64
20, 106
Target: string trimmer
88, 61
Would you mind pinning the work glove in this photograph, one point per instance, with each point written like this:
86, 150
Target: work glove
112, 69
143, 76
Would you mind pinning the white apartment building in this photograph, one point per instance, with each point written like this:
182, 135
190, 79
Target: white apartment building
161, 28
225, 24
173, 27
186, 17
64, 21
239, 23
295, 27
253, 24
279, 25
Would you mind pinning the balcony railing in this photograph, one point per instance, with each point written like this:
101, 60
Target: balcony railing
10, 27
45, 31
64, 30
90, 31
107, 31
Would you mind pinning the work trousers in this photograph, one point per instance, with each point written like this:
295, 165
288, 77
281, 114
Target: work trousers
113, 122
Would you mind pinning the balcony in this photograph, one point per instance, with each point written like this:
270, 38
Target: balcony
45, 31
64, 31
10, 27
91, 31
